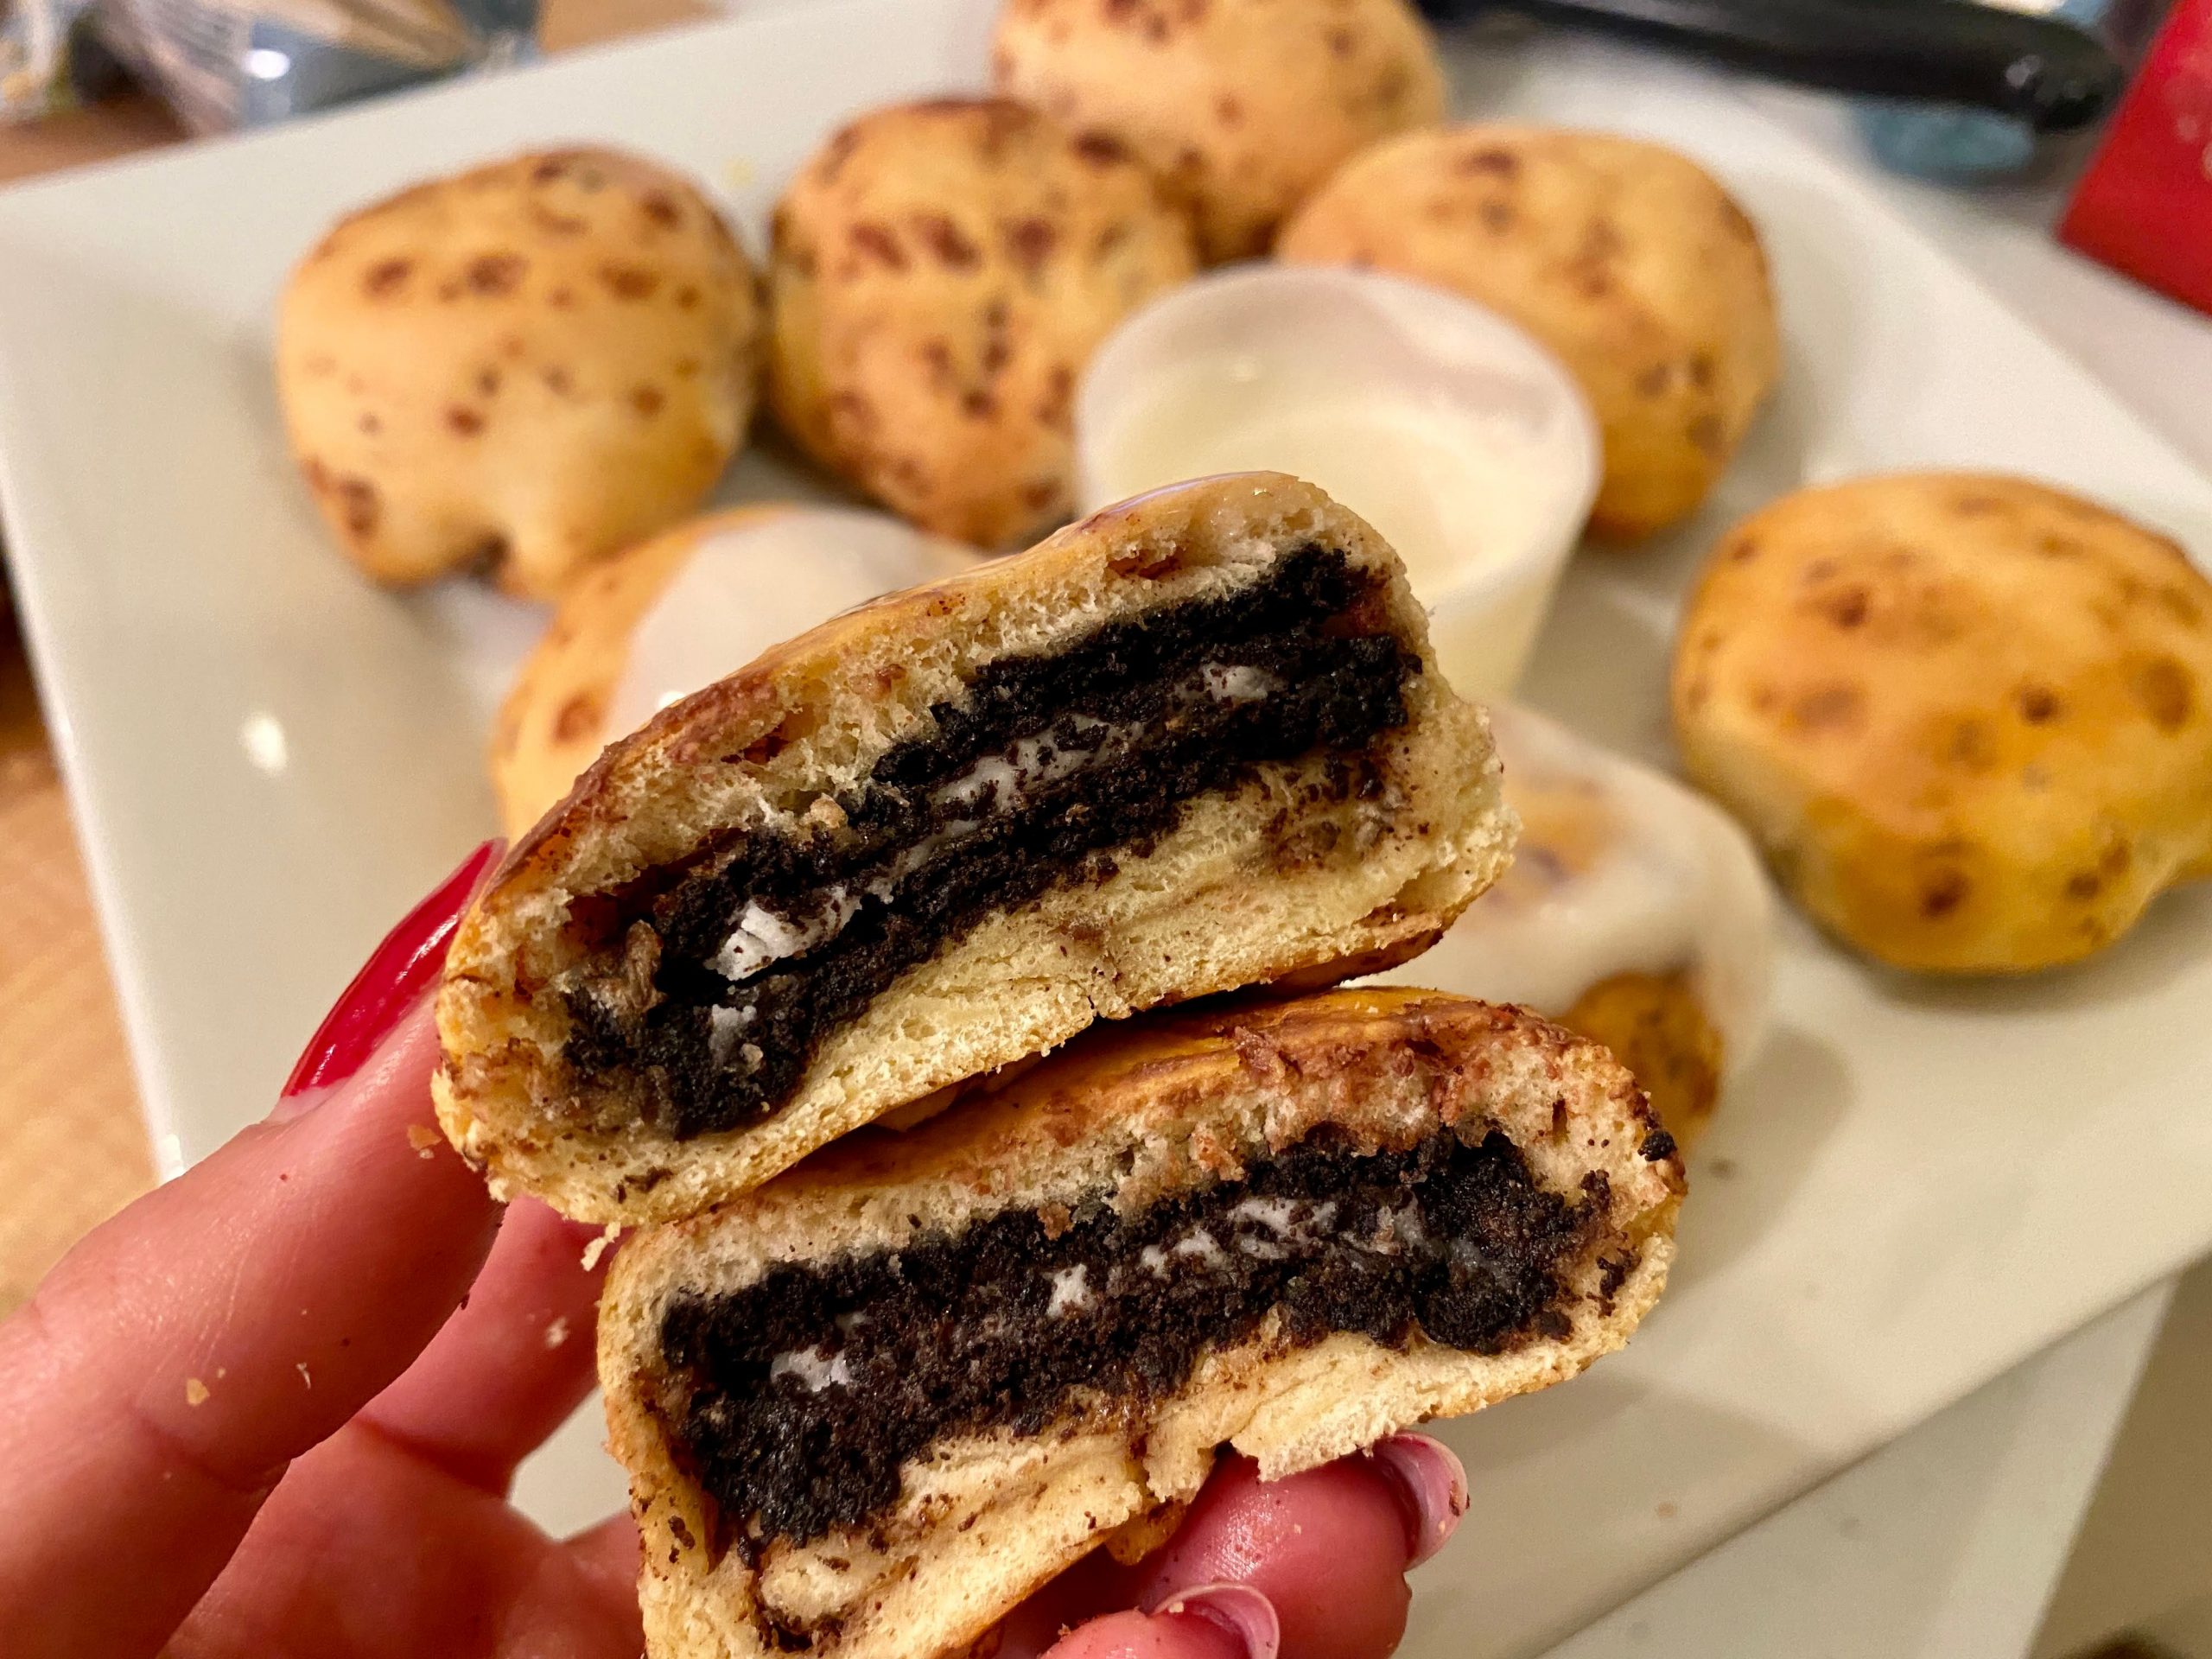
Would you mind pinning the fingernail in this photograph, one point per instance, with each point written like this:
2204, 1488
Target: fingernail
1244, 1612
1432, 1483
391, 982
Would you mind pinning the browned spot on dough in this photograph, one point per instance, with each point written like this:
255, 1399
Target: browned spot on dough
1497, 217
1100, 149
1228, 111
660, 209
2061, 547
1498, 163
2038, 704
1745, 549
978, 404
1702, 371
1152, 563
2183, 608
386, 277
1847, 607
368, 424
1655, 380
561, 299
555, 224
579, 717
1341, 42
358, 504
1828, 707
1977, 504
647, 400
836, 153
464, 420
854, 409
496, 273
874, 241
1040, 493
487, 381
2166, 691
2084, 885
1970, 744
1059, 387
629, 282
945, 239
557, 380
1705, 434
1030, 242
1943, 892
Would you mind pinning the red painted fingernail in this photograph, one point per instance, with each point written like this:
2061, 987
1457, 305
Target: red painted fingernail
1431, 1482
393, 979
1242, 1610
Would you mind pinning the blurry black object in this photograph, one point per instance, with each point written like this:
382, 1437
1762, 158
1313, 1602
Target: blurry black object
2054, 76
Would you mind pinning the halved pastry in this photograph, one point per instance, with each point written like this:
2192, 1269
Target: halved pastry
870, 1407
1194, 743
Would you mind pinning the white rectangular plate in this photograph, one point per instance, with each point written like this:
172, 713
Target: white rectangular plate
1913, 1186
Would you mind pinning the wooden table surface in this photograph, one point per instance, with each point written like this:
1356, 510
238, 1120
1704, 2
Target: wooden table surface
72, 1146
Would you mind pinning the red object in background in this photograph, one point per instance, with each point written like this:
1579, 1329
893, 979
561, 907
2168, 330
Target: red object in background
2144, 207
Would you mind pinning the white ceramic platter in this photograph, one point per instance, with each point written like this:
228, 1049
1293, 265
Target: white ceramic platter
1912, 1188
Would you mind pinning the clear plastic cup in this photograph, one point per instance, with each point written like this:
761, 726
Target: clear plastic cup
1447, 428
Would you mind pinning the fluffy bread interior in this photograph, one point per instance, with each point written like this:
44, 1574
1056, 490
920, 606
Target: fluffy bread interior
1234, 893
1126, 1118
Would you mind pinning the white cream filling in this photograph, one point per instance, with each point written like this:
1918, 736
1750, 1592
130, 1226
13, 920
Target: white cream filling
1070, 1291
761, 936
1003, 783
814, 1368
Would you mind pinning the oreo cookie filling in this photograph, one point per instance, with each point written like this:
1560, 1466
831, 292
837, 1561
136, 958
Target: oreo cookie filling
795, 1401
717, 988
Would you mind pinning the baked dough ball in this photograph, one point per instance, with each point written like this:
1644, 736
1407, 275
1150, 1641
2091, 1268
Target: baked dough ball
1969, 717
942, 272
1626, 259
1241, 106
1656, 1027
729, 578
518, 368
554, 721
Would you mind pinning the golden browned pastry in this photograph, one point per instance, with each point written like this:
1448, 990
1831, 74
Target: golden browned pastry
869, 1408
941, 273
1969, 717
1656, 1027
1625, 258
519, 368
1195, 742
1242, 106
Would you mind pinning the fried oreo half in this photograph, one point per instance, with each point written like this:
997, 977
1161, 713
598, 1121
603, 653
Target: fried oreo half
869, 1408
1193, 743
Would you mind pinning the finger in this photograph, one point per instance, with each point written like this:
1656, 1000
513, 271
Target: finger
607, 1555
155, 1388
512, 1363
1329, 1548
1228, 1621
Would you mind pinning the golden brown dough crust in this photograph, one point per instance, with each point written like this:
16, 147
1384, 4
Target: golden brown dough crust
941, 273
1274, 882
1128, 1114
1968, 717
520, 367
1628, 260
1242, 107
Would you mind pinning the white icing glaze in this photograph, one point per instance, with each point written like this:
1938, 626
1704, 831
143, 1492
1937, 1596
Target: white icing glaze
747, 588
1620, 870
